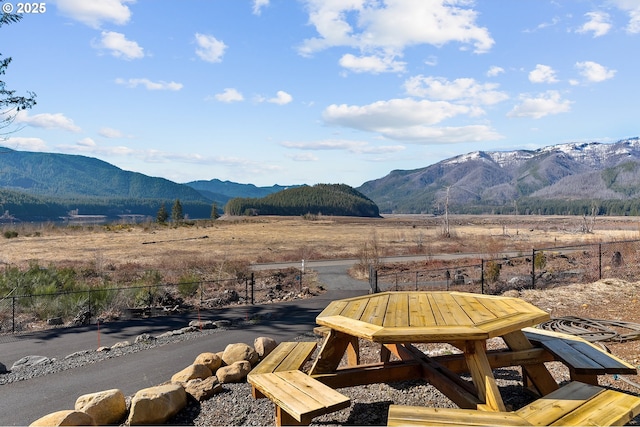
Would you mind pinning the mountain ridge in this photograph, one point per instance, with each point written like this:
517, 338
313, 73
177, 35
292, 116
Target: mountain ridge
492, 179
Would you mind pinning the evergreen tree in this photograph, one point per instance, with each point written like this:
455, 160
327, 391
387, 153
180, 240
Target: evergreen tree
162, 215
214, 211
176, 212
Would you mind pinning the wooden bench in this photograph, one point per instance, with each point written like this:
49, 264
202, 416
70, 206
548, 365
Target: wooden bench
576, 404
584, 360
287, 356
298, 397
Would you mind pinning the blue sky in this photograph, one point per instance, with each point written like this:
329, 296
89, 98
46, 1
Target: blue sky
318, 91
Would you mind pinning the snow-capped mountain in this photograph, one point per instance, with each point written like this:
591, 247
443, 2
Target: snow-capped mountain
494, 180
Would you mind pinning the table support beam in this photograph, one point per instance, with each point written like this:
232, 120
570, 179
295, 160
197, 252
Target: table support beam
483, 376
333, 348
539, 375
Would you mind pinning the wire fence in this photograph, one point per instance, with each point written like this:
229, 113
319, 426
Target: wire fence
542, 268
26, 313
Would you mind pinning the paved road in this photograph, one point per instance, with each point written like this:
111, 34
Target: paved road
25, 401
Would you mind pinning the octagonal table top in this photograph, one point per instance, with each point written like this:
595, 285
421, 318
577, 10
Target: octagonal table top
421, 317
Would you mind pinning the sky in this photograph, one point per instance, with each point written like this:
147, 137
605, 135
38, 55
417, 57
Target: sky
317, 91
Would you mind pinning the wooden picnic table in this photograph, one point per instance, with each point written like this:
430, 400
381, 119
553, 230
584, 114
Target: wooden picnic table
397, 320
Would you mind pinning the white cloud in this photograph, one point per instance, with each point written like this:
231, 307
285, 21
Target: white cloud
94, 13
409, 119
303, 157
47, 121
119, 46
371, 64
150, 85
258, 5
598, 23
229, 95
494, 71
26, 144
594, 72
465, 90
385, 28
632, 7
543, 74
111, 133
87, 142
281, 98
209, 48
549, 102
358, 147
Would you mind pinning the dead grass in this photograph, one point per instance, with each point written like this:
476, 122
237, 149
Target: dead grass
276, 239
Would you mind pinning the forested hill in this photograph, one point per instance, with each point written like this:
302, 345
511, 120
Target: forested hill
325, 199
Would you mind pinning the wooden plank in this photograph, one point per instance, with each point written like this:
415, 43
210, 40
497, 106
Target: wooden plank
472, 307
427, 334
435, 310
371, 374
354, 309
513, 322
451, 312
395, 304
299, 395
333, 348
400, 415
497, 306
334, 308
273, 360
606, 409
376, 309
352, 327
401, 315
573, 358
483, 376
297, 357
537, 373
547, 410
420, 311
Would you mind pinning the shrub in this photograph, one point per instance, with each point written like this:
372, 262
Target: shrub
492, 271
10, 234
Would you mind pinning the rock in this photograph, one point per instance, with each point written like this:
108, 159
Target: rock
239, 351
191, 372
55, 321
202, 324
264, 346
104, 349
105, 407
144, 338
203, 389
222, 323
121, 344
234, 373
212, 360
65, 418
155, 405
29, 361
3, 369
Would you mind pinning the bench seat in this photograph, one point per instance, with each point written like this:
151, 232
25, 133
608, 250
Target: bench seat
575, 404
584, 360
298, 398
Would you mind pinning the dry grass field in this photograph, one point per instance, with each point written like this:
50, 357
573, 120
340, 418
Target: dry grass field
276, 239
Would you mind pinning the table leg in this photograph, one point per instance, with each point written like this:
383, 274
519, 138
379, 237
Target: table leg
538, 374
482, 376
333, 348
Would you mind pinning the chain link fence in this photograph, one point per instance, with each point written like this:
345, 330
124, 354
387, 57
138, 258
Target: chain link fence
26, 313
542, 268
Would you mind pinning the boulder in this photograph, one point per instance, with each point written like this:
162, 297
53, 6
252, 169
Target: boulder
29, 361
212, 360
155, 405
144, 338
121, 344
105, 407
234, 373
264, 346
65, 418
203, 389
203, 324
191, 372
239, 351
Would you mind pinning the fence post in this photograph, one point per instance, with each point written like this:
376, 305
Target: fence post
482, 276
533, 269
417, 280
599, 261
13, 315
253, 285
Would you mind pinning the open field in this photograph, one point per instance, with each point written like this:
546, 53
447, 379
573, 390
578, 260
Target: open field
273, 239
